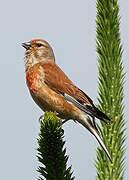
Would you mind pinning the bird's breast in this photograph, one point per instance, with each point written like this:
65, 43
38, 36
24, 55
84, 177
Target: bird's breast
34, 78
46, 98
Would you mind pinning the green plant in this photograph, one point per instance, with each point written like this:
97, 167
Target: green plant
51, 151
111, 82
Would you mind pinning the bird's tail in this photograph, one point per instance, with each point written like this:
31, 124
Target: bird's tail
89, 123
100, 115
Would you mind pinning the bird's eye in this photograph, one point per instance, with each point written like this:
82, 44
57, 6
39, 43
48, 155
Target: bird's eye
39, 44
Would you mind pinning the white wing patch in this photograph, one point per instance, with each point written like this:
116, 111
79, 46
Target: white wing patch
83, 107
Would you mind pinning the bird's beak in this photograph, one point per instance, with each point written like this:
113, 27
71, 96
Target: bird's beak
26, 45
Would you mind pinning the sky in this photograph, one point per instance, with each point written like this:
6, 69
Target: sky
69, 26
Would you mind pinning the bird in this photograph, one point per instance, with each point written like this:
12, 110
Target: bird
52, 90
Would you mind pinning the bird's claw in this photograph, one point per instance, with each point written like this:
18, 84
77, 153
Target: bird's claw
41, 118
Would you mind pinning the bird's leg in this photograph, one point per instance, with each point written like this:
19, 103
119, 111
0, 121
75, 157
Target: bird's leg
41, 117
57, 115
62, 121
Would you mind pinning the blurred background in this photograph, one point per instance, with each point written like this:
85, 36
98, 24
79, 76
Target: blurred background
70, 28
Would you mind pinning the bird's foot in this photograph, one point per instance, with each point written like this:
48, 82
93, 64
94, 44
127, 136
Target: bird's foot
41, 118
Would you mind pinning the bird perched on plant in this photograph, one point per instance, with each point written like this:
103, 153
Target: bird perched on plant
52, 90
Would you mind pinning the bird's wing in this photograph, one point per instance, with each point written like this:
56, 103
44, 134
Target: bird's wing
56, 79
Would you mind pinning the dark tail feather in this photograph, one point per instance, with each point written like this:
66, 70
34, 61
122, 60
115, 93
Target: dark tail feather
100, 115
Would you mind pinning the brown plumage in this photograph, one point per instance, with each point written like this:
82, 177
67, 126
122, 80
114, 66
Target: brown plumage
52, 90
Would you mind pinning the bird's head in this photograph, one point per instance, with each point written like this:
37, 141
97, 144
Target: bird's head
37, 50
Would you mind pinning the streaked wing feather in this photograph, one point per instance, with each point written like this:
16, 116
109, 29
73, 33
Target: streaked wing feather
86, 108
77, 104
57, 80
